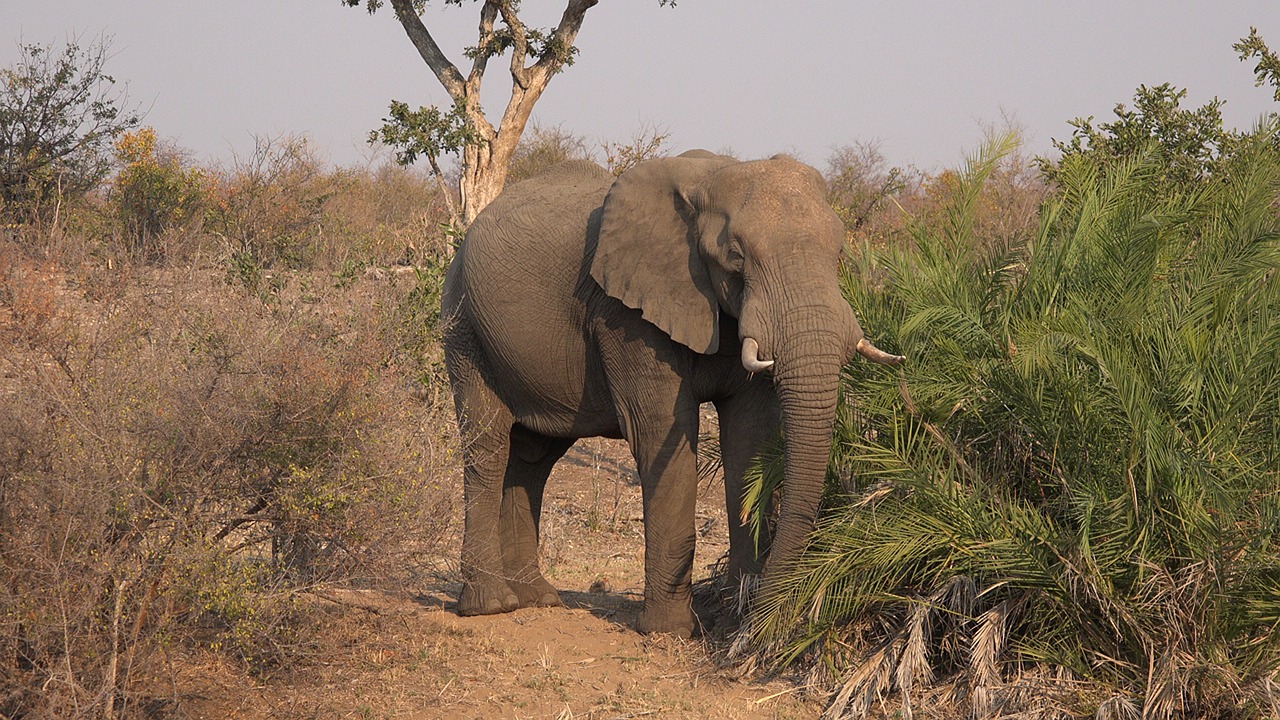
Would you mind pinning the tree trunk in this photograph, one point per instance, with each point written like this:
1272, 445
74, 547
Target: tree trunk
484, 165
478, 187
486, 157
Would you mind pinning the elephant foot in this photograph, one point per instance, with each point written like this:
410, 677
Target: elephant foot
677, 621
486, 597
536, 593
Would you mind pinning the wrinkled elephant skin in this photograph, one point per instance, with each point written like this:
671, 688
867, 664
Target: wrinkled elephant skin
579, 305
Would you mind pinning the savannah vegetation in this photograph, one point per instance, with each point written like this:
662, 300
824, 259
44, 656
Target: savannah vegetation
221, 398
1067, 503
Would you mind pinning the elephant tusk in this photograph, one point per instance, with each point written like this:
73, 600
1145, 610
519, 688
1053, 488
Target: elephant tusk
751, 357
868, 350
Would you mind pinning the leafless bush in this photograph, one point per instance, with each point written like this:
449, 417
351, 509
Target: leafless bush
385, 215
865, 190
543, 147
177, 461
645, 143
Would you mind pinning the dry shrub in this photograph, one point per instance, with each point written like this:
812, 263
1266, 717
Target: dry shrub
644, 144
270, 203
178, 460
384, 215
882, 205
282, 207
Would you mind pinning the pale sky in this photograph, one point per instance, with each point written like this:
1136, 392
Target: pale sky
921, 77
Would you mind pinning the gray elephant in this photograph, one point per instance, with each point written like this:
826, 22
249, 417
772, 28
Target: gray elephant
579, 305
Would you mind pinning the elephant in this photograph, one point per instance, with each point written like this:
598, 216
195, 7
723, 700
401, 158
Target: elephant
583, 305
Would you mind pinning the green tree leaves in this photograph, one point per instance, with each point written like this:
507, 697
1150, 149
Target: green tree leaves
426, 132
1192, 142
1268, 68
59, 115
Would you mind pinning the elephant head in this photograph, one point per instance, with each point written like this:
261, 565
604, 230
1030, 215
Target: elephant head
685, 238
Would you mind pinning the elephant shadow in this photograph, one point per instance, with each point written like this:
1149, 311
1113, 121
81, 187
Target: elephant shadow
620, 608
593, 459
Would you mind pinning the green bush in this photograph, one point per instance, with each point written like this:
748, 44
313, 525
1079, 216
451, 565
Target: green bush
58, 117
155, 192
1068, 499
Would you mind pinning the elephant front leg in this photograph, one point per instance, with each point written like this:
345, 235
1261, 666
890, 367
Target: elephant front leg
748, 420
666, 461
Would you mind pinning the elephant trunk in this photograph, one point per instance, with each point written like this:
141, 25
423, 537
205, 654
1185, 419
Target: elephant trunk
807, 393
806, 375
806, 346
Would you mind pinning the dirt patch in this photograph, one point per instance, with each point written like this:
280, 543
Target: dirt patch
388, 654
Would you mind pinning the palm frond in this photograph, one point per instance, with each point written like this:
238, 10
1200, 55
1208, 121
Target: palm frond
1080, 465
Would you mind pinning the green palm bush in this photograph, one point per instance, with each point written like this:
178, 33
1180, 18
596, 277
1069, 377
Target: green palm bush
1068, 499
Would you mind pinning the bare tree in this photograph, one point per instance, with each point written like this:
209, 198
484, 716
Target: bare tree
536, 56
861, 182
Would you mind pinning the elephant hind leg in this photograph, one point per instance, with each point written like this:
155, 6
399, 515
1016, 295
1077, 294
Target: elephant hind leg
486, 587
531, 458
485, 424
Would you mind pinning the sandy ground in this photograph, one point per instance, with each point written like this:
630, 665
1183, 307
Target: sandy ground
408, 654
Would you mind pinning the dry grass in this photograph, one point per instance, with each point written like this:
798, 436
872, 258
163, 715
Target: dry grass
179, 459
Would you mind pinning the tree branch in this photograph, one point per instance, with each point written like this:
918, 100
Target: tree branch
421, 38
519, 45
565, 33
488, 14
454, 218
535, 77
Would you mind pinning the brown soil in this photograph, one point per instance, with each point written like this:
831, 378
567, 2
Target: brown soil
407, 654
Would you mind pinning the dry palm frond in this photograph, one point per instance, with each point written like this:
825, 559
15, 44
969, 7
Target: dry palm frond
1118, 707
1166, 686
986, 657
748, 586
1265, 693
867, 685
913, 666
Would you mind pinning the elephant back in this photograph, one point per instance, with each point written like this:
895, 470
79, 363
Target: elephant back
545, 214
515, 279
534, 232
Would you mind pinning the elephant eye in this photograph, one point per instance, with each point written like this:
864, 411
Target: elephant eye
735, 256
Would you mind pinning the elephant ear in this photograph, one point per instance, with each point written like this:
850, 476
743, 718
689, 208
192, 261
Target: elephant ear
647, 253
